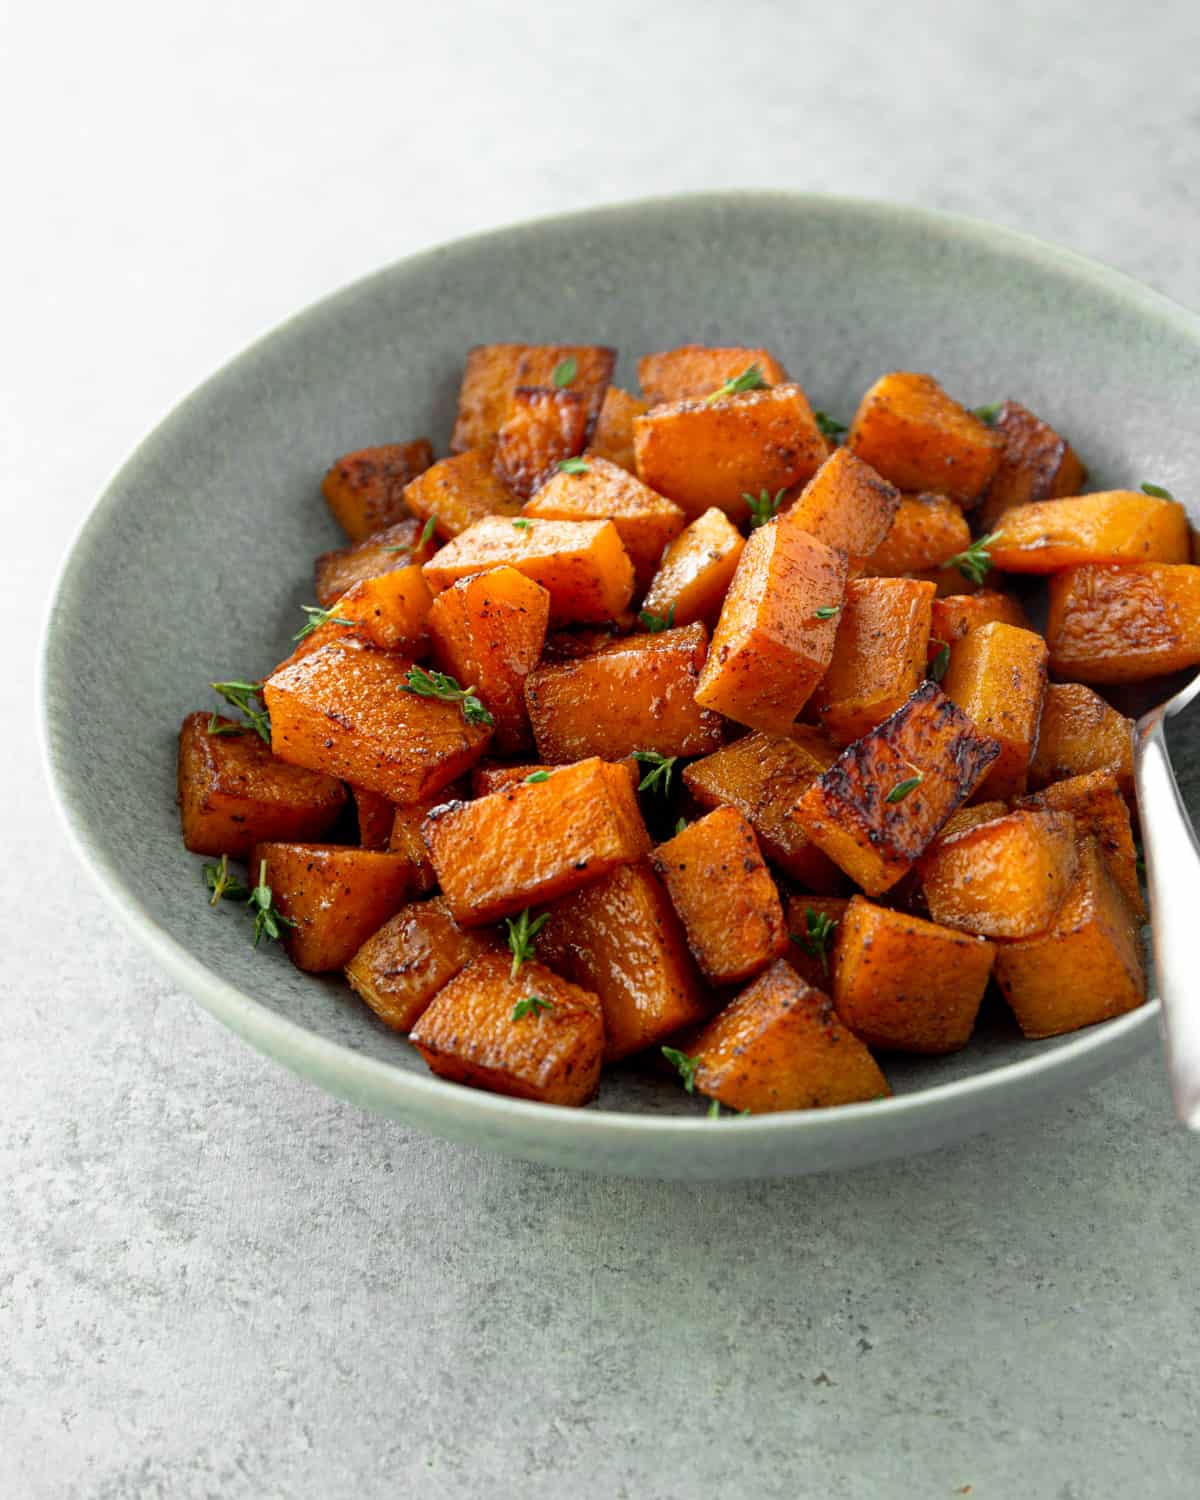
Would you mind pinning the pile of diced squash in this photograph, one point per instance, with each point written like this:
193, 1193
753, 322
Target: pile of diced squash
699, 724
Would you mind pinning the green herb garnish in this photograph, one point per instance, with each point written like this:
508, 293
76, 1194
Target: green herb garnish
318, 617
521, 524
425, 537
573, 466
937, 667
903, 788
661, 769
830, 426
535, 776
817, 935
1157, 491
714, 1110
654, 623
827, 611
565, 371
686, 1065
223, 884
680, 825
439, 685
522, 937
268, 920
246, 697
974, 562
764, 507
751, 379
988, 414
532, 1004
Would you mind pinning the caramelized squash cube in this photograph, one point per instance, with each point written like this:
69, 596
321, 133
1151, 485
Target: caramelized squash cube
1036, 464
459, 491
774, 640
1080, 732
955, 614
724, 894
581, 564
880, 655
336, 897
876, 809
701, 453
544, 426
613, 437
494, 371
693, 371
375, 818
406, 837
1112, 623
535, 842
813, 924
780, 1045
907, 985
551, 1053
399, 969
486, 779
997, 676
388, 551
234, 792
926, 531
347, 712
636, 693
365, 490
390, 612
1113, 526
914, 434
696, 571
1086, 968
846, 504
1099, 810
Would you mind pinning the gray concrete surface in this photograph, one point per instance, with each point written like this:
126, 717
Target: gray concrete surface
216, 1282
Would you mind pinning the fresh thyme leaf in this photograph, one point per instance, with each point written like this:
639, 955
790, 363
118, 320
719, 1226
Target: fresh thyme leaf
903, 788
268, 920
521, 523
654, 623
827, 611
988, 414
751, 379
531, 1004
573, 466
714, 1110
423, 540
817, 935
438, 685
830, 426
565, 371
318, 617
1157, 491
937, 667
686, 1065
246, 697
661, 769
764, 507
522, 937
537, 776
680, 825
223, 883
974, 562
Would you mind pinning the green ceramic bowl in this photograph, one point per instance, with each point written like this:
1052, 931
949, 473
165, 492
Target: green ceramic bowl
193, 564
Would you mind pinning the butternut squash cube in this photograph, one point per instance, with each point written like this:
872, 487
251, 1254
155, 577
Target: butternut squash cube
365, 490
406, 837
1036, 464
620, 939
336, 897
813, 924
389, 612
603, 491
724, 894
486, 779
914, 434
701, 453
494, 371
1086, 968
774, 640
780, 1045
544, 426
1004, 878
613, 437
459, 491
1080, 732
581, 564
1112, 623
907, 985
488, 630
347, 712
763, 775
926, 530
1114, 526
955, 614
535, 842
234, 792
394, 548
696, 571
876, 809
1098, 808
693, 371
399, 969
846, 504
636, 693
375, 818
552, 1052
997, 676
880, 655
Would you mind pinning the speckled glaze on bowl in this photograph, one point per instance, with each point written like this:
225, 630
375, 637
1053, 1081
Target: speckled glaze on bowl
206, 537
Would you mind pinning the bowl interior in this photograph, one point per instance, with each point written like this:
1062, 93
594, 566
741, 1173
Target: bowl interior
194, 564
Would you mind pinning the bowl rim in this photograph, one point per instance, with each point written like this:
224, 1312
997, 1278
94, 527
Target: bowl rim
383, 1086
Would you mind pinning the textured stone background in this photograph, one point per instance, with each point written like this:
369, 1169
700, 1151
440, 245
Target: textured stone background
215, 1281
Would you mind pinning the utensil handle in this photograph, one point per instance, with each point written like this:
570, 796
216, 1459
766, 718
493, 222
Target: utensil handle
1173, 878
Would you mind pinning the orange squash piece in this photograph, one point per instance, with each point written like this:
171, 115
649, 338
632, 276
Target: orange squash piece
603, 491
400, 968
487, 630
780, 1045
907, 985
1004, 878
693, 371
926, 531
390, 612
336, 897
613, 437
867, 814
910, 431
494, 371
810, 952
395, 547
347, 712
375, 818
701, 453
1114, 526
234, 792
1080, 732
636, 693
581, 564
997, 676
763, 775
955, 614
880, 655
459, 491
1112, 623
1036, 464
365, 490
535, 842
774, 640
1086, 968
729, 905
406, 837
846, 504
696, 570
1098, 808
486, 779
544, 426
470, 1033
620, 939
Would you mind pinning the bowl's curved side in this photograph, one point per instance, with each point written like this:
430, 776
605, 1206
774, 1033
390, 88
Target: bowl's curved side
194, 531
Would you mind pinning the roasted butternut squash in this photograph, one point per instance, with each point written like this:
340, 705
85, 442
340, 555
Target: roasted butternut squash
488, 778
459, 491
695, 572
1035, 464
375, 815
406, 837
813, 923
365, 490
847, 505
954, 614
1080, 732
1114, 526
494, 371
926, 531
395, 547
1113, 623
1098, 808
390, 612
545, 425
613, 437
694, 370
997, 676
914, 434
